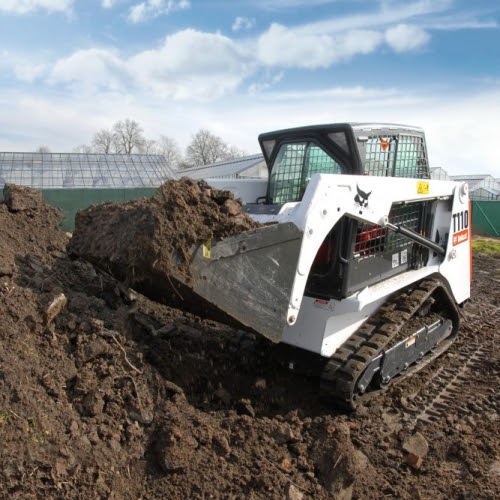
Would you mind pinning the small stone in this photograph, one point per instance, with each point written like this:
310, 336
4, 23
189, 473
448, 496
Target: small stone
414, 461
345, 493
416, 445
293, 493
55, 308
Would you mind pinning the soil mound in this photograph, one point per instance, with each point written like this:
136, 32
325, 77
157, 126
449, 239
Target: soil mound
155, 236
106, 394
148, 243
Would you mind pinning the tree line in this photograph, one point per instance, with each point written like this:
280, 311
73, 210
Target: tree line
127, 137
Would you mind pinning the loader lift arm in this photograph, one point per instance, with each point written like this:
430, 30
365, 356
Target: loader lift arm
417, 238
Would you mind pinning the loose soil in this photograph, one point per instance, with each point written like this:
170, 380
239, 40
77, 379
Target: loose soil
107, 394
148, 243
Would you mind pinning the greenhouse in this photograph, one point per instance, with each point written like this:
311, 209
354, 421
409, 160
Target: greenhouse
72, 181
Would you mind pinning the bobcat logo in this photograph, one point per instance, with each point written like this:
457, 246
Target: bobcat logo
362, 198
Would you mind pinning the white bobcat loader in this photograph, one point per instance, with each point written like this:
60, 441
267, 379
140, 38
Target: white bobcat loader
365, 261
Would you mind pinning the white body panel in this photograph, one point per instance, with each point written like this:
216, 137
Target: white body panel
322, 326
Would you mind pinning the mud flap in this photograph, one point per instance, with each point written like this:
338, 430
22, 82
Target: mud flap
249, 276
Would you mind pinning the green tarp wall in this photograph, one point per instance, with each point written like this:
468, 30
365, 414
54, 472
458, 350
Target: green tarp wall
485, 214
72, 200
486, 218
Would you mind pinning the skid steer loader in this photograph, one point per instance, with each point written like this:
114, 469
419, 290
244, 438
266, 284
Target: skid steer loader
364, 261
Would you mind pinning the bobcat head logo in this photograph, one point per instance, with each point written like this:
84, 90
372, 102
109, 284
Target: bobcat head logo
362, 198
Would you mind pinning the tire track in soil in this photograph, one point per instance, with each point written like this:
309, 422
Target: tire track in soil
453, 387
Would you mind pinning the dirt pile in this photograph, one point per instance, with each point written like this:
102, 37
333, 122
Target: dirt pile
148, 240
149, 243
112, 395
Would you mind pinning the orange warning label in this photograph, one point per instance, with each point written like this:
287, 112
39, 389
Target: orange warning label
460, 237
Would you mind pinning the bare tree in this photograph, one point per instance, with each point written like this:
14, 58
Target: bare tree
129, 136
42, 149
206, 148
170, 150
150, 147
83, 148
104, 142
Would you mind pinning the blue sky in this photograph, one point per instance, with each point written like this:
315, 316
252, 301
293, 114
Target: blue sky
240, 67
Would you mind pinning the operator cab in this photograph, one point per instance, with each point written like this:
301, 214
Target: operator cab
294, 155
354, 254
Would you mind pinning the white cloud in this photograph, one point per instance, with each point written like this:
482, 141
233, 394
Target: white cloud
284, 47
403, 37
266, 83
243, 23
356, 93
149, 9
286, 4
323, 43
193, 64
188, 65
389, 14
28, 72
91, 69
24, 67
108, 4
26, 6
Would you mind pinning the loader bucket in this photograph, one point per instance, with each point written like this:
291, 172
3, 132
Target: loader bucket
249, 276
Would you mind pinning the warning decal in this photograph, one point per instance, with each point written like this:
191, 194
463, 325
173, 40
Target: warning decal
385, 143
423, 187
460, 237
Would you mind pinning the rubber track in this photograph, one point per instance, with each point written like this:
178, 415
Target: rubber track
345, 367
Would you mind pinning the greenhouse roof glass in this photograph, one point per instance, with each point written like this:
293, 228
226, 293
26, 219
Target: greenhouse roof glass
226, 168
78, 170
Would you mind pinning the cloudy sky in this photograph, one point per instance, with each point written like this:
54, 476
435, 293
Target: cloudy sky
240, 67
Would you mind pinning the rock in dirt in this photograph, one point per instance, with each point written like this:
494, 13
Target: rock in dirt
55, 308
416, 444
414, 461
293, 493
417, 448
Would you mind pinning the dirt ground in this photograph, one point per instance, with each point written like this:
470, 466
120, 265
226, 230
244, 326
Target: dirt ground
106, 394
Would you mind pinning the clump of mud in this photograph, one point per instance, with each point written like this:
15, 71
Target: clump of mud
148, 243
